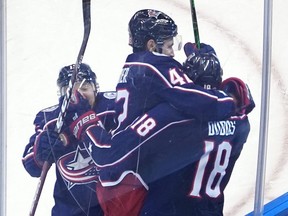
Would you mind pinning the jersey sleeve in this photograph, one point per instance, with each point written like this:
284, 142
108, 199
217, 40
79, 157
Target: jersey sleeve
117, 154
199, 103
174, 87
161, 136
29, 163
28, 160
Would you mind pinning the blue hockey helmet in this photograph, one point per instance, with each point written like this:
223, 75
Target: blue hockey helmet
150, 24
84, 72
203, 67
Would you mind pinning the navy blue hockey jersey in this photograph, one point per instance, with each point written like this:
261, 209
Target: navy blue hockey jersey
148, 79
74, 190
197, 187
184, 163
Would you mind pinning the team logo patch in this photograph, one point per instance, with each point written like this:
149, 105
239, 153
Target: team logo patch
77, 167
110, 95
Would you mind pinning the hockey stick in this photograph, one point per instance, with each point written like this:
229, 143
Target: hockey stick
195, 24
46, 166
67, 97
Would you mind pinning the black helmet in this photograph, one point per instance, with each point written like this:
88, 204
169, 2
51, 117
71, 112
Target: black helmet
203, 68
84, 72
150, 24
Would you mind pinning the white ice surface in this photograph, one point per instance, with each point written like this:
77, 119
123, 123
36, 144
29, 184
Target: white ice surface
45, 35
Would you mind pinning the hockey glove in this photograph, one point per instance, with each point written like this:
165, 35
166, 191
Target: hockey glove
79, 115
240, 91
65, 135
48, 147
191, 48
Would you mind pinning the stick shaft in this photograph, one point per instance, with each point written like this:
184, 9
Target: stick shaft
45, 169
195, 23
87, 28
46, 166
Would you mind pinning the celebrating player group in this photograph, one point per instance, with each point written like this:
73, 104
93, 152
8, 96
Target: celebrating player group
164, 142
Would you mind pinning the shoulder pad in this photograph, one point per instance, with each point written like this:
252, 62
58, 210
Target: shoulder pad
50, 113
50, 109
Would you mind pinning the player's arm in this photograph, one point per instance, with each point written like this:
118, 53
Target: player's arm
108, 150
197, 102
28, 160
203, 101
39, 143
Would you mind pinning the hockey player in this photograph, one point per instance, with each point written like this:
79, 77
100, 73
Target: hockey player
159, 78
198, 188
151, 75
76, 174
174, 154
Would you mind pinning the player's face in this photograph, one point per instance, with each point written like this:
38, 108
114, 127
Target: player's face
167, 47
87, 90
